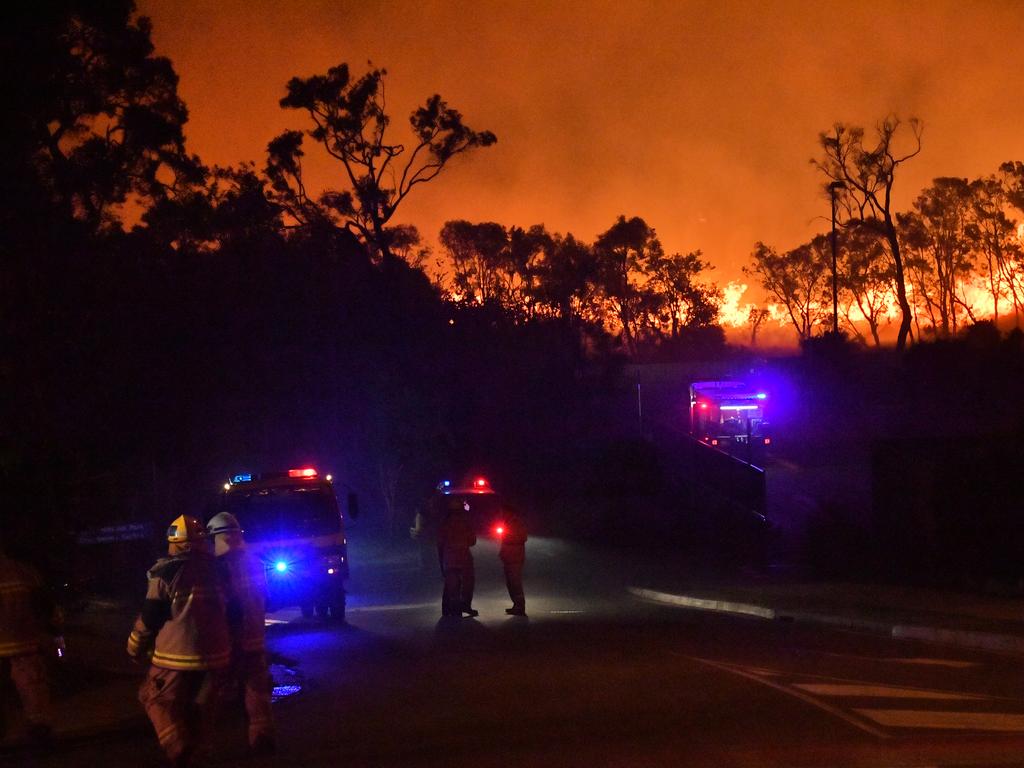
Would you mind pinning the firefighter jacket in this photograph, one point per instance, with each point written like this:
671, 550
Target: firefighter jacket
513, 540
247, 588
183, 624
27, 614
455, 537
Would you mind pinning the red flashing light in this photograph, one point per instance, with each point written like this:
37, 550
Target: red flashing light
499, 529
480, 482
714, 441
304, 472
767, 441
703, 406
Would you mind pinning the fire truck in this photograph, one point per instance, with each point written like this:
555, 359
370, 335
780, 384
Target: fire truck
725, 414
292, 521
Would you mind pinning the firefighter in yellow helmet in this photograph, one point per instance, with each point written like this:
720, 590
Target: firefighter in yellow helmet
247, 585
27, 616
183, 632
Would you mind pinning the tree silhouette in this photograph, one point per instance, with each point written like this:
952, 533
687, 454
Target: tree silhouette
797, 279
626, 249
96, 114
869, 175
865, 279
936, 231
351, 124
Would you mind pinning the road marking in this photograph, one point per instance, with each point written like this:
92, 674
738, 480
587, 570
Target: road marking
961, 721
855, 721
950, 663
566, 611
399, 607
683, 601
884, 691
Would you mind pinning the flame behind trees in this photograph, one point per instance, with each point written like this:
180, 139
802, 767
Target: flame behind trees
956, 256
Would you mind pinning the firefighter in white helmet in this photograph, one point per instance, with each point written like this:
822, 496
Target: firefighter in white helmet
247, 584
183, 632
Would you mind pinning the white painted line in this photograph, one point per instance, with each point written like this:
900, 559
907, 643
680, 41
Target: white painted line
961, 721
950, 663
702, 604
886, 691
566, 611
847, 717
398, 607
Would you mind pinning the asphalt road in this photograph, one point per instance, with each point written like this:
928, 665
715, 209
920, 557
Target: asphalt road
596, 677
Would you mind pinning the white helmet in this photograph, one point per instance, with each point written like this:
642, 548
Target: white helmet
223, 522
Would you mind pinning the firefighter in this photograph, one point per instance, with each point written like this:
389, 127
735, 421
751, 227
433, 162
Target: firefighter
424, 531
183, 632
247, 585
27, 616
513, 555
455, 537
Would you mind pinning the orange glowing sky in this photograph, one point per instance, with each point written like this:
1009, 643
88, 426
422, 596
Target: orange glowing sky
698, 116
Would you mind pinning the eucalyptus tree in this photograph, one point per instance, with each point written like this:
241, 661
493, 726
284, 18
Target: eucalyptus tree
623, 253
566, 278
868, 175
378, 172
687, 301
94, 120
865, 281
995, 238
798, 279
936, 235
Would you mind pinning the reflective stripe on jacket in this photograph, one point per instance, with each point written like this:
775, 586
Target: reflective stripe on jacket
183, 624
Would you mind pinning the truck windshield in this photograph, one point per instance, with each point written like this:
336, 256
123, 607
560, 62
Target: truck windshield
285, 513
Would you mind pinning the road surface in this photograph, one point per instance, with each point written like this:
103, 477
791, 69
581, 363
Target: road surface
596, 677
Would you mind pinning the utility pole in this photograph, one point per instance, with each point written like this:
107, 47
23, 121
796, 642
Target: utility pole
834, 187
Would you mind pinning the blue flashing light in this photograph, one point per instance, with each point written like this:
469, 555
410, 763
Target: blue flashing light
762, 396
280, 566
447, 483
246, 478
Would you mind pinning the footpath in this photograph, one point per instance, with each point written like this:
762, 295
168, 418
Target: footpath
964, 620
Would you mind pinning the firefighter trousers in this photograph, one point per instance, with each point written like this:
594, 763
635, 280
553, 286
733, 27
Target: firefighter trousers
181, 705
514, 582
28, 674
252, 672
458, 590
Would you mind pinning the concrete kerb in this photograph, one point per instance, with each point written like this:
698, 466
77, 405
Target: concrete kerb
973, 639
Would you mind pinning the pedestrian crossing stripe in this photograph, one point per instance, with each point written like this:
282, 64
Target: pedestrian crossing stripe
877, 719
916, 660
944, 720
885, 691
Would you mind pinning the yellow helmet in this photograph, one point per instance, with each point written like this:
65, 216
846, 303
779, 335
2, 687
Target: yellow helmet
185, 529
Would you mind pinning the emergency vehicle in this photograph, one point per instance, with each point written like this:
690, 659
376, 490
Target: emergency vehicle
291, 519
484, 504
728, 413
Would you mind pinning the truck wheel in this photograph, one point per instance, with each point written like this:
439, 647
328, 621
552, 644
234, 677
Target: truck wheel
307, 610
